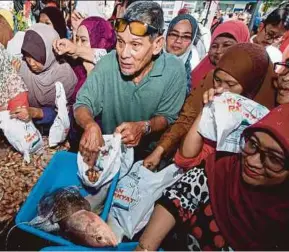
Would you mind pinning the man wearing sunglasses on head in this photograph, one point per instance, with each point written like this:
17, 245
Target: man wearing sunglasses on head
137, 90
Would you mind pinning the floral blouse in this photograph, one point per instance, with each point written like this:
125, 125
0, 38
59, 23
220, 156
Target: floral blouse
11, 84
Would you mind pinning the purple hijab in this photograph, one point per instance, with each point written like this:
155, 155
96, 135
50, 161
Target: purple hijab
102, 36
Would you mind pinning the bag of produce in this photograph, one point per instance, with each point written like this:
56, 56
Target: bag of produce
60, 127
24, 137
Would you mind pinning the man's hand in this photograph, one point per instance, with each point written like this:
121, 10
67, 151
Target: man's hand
64, 46
208, 96
16, 64
90, 143
131, 132
152, 161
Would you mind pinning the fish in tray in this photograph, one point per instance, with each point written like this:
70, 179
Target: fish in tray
89, 229
66, 211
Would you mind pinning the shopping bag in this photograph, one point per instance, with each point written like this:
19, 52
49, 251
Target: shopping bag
107, 164
136, 194
23, 136
60, 127
224, 119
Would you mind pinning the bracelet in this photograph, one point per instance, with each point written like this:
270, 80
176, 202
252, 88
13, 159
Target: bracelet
142, 246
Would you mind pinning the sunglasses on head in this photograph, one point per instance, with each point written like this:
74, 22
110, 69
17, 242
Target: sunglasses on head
136, 28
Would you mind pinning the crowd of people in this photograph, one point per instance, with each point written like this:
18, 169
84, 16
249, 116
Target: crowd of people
128, 75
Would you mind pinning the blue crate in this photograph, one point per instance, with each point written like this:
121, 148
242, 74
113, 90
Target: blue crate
128, 246
60, 172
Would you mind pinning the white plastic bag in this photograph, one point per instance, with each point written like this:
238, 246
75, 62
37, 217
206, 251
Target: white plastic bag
224, 120
107, 164
136, 194
60, 127
24, 137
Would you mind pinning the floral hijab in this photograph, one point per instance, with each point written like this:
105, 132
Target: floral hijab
11, 84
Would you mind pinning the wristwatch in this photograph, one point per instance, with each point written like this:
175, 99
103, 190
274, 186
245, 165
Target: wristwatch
148, 128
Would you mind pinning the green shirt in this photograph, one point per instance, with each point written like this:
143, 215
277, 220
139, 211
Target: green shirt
161, 92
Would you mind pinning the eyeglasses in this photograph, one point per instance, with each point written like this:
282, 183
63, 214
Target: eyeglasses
136, 28
271, 37
175, 36
283, 64
250, 147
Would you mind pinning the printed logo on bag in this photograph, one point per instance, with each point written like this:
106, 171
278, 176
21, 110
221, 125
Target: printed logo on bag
127, 193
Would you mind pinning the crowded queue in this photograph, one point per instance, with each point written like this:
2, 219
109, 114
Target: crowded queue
130, 75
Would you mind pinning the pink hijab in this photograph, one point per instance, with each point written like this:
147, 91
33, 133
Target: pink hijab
235, 28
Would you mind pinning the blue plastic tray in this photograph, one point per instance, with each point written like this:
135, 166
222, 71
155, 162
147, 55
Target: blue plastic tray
128, 246
60, 172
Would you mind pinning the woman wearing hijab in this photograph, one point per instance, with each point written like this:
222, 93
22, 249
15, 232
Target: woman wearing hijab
238, 201
53, 16
226, 35
40, 71
249, 76
93, 33
182, 35
8, 15
6, 33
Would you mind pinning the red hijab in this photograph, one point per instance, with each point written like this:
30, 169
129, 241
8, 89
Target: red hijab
251, 218
235, 28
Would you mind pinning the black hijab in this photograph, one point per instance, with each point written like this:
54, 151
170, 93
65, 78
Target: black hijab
57, 19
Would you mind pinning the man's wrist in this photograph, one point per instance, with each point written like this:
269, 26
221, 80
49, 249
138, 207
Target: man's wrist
90, 124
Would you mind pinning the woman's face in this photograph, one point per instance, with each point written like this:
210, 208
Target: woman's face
44, 19
219, 46
227, 82
179, 38
34, 65
267, 168
82, 37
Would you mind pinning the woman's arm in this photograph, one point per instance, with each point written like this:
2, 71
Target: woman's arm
160, 224
193, 142
45, 115
65, 46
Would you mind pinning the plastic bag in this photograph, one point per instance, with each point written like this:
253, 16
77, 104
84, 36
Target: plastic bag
24, 137
224, 120
107, 164
60, 127
136, 194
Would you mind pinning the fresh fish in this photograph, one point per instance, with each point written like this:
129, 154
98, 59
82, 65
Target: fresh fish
89, 229
57, 206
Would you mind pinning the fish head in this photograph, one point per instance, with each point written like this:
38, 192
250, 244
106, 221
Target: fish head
100, 235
